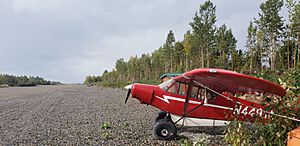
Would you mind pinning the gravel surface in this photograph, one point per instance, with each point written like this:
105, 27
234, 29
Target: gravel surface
80, 115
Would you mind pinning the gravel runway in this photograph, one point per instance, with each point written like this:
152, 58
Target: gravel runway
80, 115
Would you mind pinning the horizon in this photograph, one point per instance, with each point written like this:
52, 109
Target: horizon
44, 39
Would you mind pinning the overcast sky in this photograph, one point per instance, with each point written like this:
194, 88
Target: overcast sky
66, 40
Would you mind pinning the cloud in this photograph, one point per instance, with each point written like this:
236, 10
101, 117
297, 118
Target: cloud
66, 40
28, 5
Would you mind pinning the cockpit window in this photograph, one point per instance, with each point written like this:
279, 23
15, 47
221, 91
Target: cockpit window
183, 89
174, 89
178, 88
165, 85
195, 92
201, 93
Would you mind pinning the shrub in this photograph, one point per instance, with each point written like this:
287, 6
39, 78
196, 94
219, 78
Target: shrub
274, 132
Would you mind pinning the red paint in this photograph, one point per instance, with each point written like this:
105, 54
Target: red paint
222, 81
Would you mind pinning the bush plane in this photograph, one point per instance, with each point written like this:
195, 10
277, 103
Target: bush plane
206, 97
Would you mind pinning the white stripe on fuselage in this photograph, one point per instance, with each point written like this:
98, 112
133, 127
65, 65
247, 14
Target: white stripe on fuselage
166, 99
218, 106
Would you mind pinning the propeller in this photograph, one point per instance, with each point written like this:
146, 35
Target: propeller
128, 93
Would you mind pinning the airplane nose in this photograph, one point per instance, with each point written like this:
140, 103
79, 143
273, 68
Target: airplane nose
142, 92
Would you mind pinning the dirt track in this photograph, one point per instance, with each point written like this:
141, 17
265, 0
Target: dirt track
74, 115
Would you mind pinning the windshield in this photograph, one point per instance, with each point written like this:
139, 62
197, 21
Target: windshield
165, 85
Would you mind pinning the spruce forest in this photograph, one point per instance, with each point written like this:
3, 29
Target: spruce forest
271, 50
22, 81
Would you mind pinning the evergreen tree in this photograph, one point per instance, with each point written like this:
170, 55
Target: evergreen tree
179, 57
295, 31
187, 49
251, 44
272, 25
225, 46
203, 31
121, 67
260, 46
169, 51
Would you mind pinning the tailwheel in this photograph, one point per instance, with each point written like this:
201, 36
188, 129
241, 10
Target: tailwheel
164, 129
161, 115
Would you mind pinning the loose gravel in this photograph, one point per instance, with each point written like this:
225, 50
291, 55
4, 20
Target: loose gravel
80, 115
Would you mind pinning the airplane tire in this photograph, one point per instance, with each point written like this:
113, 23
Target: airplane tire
160, 115
164, 130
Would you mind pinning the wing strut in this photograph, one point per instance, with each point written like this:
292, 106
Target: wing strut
186, 101
186, 104
185, 114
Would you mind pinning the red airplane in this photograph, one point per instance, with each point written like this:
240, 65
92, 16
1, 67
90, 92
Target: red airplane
206, 97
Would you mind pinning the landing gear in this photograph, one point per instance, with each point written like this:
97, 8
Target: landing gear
161, 115
164, 128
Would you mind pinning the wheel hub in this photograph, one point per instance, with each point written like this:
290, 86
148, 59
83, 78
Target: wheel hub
164, 132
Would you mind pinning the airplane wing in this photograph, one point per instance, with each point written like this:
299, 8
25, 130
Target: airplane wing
228, 81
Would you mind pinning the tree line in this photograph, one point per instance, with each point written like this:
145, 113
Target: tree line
19, 81
273, 45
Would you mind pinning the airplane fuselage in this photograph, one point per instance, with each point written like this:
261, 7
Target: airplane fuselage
218, 108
